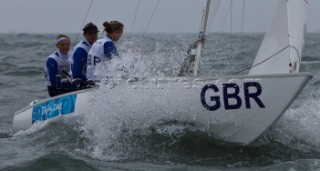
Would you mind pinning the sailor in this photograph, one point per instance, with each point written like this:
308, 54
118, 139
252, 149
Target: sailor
57, 68
81, 50
104, 49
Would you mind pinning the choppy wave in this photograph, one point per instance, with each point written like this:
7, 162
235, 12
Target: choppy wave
161, 142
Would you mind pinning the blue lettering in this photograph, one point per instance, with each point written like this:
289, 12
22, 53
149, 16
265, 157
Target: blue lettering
234, 95
89, 59
254, 96
231, 97
95, 60
212, 98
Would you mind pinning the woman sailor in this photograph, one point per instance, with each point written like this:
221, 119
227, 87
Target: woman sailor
57, 68
104, 49
81, 50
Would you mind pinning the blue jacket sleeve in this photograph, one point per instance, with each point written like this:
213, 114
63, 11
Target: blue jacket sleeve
52, 66
110, 50
80, 57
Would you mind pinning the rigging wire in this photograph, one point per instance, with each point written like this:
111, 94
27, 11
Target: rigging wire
241, 27
225, 19
242, 20
231, 37
240, 37
154, 11
272, 56
85, 18
231, 17
135, 16
231, 26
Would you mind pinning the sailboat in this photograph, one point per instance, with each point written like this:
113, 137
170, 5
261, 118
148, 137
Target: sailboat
236, 109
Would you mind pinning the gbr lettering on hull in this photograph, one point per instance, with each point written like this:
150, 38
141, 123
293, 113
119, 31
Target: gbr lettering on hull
231, 96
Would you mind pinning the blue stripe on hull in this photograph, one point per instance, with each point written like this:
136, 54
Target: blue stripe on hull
53, 108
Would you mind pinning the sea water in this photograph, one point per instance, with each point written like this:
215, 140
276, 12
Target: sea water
104, 139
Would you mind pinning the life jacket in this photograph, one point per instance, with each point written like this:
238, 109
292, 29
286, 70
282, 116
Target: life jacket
96, 55
64, 64
84, 44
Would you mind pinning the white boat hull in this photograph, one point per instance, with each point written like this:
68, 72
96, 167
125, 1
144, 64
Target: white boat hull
234, 109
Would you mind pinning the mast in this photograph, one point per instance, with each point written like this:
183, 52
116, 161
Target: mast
202, 37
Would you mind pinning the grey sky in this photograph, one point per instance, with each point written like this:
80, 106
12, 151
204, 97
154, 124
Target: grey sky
66, 16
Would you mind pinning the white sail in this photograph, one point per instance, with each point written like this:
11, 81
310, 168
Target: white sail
281, 49
209, 12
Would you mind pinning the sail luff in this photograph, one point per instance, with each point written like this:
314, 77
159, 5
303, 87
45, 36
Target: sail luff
296, 29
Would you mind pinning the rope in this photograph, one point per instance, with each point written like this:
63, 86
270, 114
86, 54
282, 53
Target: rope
135, 16
154, 11
289, 46
85, 18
